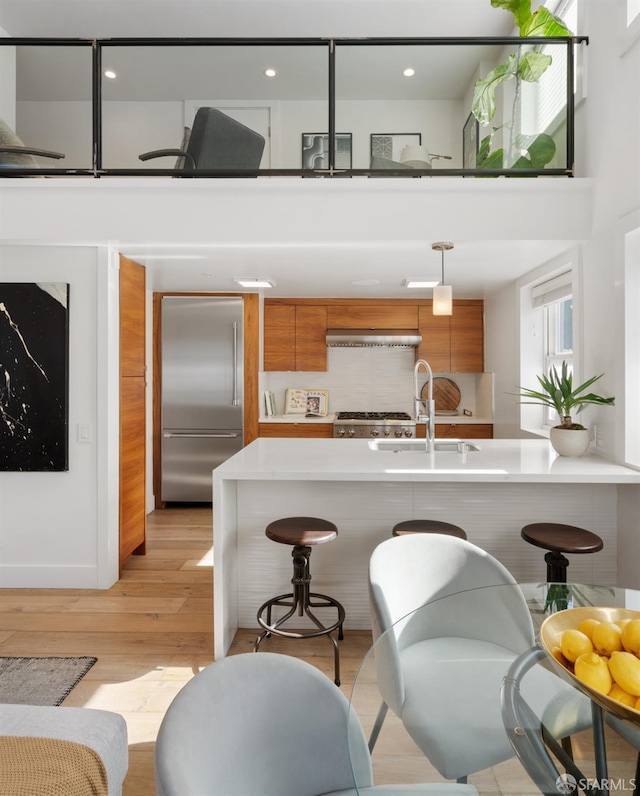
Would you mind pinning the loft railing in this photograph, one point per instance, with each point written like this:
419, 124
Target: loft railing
333, 108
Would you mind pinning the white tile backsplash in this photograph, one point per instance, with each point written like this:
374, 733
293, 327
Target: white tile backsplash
376, 380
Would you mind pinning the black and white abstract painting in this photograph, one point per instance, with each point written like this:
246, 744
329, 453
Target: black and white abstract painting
34, 370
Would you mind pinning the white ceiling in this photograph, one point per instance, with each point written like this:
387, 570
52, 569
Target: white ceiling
318, 266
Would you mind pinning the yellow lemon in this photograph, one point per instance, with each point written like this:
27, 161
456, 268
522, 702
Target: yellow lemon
625, 670
574, 643
607, 638
631, 636
622, 623
587, 626
618, 693
638, 703
593, 670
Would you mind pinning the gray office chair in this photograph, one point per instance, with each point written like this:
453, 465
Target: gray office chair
216, 143
448, 620
15, 155
268, 725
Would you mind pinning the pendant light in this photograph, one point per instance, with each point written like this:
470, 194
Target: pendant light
442, 294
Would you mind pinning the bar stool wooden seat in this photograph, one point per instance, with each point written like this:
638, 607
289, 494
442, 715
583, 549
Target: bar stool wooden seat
427, 526
558, 539
303, 533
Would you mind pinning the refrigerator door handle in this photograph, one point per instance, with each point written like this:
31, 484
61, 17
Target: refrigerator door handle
235, 401
196, 435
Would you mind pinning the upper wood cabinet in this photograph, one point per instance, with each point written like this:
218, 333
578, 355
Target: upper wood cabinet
453, 343
467, 338
372, 316
295, 336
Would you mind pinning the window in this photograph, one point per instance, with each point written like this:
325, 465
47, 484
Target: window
558, 343
546, 307
545, 111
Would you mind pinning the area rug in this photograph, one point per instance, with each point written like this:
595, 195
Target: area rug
40, 681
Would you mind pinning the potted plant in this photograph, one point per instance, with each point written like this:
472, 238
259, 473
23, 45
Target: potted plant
558, 392
529, 66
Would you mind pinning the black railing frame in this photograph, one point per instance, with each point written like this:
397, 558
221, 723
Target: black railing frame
331, 44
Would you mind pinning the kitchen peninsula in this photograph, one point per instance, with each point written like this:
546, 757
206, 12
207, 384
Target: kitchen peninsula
491, 492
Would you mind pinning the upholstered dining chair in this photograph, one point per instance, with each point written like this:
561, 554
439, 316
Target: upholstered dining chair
268, 725
448, 619
15, 155
216, 142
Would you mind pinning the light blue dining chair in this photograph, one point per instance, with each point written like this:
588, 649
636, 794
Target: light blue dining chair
448, 620
268, 725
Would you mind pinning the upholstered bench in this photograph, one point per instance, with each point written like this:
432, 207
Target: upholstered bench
102, 731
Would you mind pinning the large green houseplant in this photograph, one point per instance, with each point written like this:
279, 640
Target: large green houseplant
559, 393
528, 66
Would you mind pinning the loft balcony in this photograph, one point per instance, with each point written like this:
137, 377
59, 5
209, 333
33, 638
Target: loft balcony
334, 108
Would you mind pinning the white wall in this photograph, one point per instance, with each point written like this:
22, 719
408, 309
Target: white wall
54, 526
8, 85
130, 128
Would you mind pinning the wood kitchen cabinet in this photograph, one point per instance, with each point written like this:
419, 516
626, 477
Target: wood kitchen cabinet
372, 316
457, 430
309, 430
295, 336
453, 343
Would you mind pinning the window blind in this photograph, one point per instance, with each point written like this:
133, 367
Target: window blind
557, 288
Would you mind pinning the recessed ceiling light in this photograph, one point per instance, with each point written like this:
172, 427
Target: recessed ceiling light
409, 72
366, 282
270, 72
110, 74
255, 282
416, 283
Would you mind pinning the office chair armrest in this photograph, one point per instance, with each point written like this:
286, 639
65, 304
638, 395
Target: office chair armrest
24, 150
163, 153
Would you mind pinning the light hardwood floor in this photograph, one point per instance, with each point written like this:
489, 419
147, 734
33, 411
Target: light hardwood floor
152, 631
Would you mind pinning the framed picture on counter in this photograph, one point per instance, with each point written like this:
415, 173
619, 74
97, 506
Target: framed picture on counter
313, 403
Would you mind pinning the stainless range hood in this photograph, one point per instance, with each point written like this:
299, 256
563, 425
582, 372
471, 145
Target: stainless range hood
373, 338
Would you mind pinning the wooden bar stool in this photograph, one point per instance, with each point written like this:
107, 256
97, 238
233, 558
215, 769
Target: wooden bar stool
427, 526
558, 539
303, 533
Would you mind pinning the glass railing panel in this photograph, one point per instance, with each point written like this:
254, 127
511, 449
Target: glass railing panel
453, 112
46, 108
216, 103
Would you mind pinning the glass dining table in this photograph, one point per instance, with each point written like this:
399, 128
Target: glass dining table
602, 757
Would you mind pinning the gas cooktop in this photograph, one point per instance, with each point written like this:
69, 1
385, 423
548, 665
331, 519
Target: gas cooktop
372, 416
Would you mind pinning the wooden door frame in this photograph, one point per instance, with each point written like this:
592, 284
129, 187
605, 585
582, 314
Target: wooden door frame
251, 351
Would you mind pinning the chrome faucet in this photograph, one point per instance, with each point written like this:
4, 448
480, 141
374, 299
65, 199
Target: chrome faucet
424, 410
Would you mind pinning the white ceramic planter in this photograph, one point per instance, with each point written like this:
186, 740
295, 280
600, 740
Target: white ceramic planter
570, 442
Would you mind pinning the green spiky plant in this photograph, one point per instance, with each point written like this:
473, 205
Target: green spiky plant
529, 66
559, 393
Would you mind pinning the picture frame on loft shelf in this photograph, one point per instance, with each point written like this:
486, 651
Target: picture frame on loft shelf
470, 142
390, 145
315, 151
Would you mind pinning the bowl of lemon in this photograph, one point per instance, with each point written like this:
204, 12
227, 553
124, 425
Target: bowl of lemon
598, 649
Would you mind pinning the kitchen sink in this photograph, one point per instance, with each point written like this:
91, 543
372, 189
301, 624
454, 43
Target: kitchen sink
439, 446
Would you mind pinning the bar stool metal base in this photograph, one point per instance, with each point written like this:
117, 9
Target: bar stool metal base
300, 602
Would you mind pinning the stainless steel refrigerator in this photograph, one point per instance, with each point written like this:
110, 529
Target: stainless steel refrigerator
202, 377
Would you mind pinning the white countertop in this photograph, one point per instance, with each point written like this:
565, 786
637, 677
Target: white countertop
501, 460
330, 418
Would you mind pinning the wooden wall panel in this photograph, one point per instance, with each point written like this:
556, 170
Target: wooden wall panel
132, 408
132, 318
132, 466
